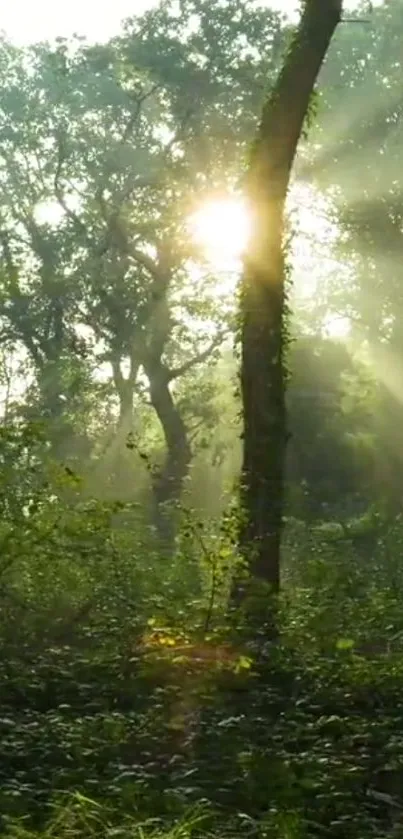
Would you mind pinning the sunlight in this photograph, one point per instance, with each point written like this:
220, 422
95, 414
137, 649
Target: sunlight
221, 228
49, 212
26, 22
337, 327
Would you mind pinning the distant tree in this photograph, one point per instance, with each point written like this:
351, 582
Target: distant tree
104, 152
331, 401
359, 163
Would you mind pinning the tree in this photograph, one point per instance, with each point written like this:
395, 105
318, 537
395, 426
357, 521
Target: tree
330, 458
119, 141
360, 166
263, 293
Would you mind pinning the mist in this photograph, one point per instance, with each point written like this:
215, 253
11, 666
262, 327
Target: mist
140, 694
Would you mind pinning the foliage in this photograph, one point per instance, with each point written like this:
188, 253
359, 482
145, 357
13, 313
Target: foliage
104, 152
133, 711
133, 702
331, 453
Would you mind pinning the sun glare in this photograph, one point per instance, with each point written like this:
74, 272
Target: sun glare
221, 227
337, 327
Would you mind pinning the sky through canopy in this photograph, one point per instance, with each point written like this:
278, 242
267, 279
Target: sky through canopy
25, 21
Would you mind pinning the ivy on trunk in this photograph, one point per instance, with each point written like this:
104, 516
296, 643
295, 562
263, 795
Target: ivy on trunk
263, 291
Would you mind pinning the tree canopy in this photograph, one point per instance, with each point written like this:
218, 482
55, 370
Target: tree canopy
158, 238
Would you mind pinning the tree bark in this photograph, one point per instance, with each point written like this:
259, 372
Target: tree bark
125, 388
169, 479
263, 295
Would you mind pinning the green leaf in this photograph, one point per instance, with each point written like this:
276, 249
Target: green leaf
344, 644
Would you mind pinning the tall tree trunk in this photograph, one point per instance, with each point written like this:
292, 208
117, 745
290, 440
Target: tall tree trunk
263, 298
168, 481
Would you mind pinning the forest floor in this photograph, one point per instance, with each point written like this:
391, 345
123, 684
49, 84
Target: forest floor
113, 739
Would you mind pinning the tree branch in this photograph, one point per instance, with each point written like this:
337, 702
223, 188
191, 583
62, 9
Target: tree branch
61, 158
136, 113
197, 359
146, 262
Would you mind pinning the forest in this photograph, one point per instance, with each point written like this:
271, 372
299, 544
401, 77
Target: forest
201, 390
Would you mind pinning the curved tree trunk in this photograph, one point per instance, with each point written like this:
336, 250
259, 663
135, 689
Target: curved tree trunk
168, 481
263, 297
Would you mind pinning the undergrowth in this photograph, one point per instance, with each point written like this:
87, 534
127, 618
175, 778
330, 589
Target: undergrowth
123, 711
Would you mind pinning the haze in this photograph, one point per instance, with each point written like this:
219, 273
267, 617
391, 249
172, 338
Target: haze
25, 21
